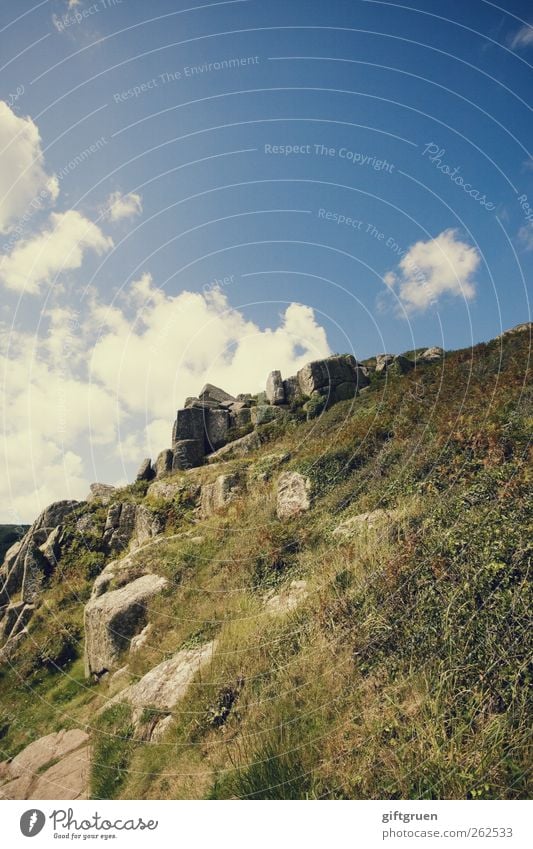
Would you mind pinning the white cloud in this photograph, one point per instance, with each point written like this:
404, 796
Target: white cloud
177, 343
431, 270
25, 185
523, 37
59, 248
92, 396
525, 235
121, 206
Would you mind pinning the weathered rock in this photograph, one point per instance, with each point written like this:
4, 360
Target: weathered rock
188, 454
383, 361
293, 495
39, 753
163, 464
141, 639
240, 415
362, 521
119, 526
239, 447
244, 398
287, 600
400, 365
101, 492
275, 392
147, 525
432, 355
117, 574
166, 684
189, 424
16, 617
519, 328
215, 496
217, 426
324, 376
67, 777
212, 396
264, 413
172, 489
112, 619
146, 472
26, 568
291, 388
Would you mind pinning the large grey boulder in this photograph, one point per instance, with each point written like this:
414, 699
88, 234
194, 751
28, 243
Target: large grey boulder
383, 361
291, 389
275, 391
26, 568
189, 424
112, 619
431, 355
213, 396
119, 526
163, 463
188, 454
166, 684
216, 496
147, 525
53, 767
265, 413
101, 492
325, 376
146, 471
293, 495
240, 414
216, 431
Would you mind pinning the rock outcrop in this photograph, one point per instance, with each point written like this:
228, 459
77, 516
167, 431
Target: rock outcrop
275, 391
338, 378
216, 496
54, 767
120, 525
165, 685
293, 496
113, 618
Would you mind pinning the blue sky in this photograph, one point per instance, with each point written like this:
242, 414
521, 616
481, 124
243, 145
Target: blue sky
198, 191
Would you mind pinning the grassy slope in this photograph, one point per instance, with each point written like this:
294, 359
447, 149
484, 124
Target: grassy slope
402, 675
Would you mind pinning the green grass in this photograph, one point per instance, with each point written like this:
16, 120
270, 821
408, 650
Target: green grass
403, 674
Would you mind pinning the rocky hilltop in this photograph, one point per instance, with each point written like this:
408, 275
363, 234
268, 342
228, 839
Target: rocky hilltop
279, 576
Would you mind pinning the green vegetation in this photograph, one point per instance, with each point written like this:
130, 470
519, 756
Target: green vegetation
403, 672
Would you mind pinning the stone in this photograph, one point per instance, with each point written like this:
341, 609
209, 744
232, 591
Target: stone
364, 521
240, 415
216, 496
431, 355
166, 684
51, 548
161, 728
264, 413
344, 392
68, 779
291, 388
26, 569
287, 600
147, 525
119, 526
519, 328
141, 640
189, 424
324, 376
118, 573
112, 619
275, 392
188, 454
293, 495
212, 396
163, 464
39, 753
169, 490
400, 365
146, 472
383, 361
217, 426
16, 617
101, 492
240, 447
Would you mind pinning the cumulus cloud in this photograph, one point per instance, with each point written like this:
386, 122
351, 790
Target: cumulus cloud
121, 206
428, 271
177, 342
58, 248
24, 183
523, 37
97, 391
